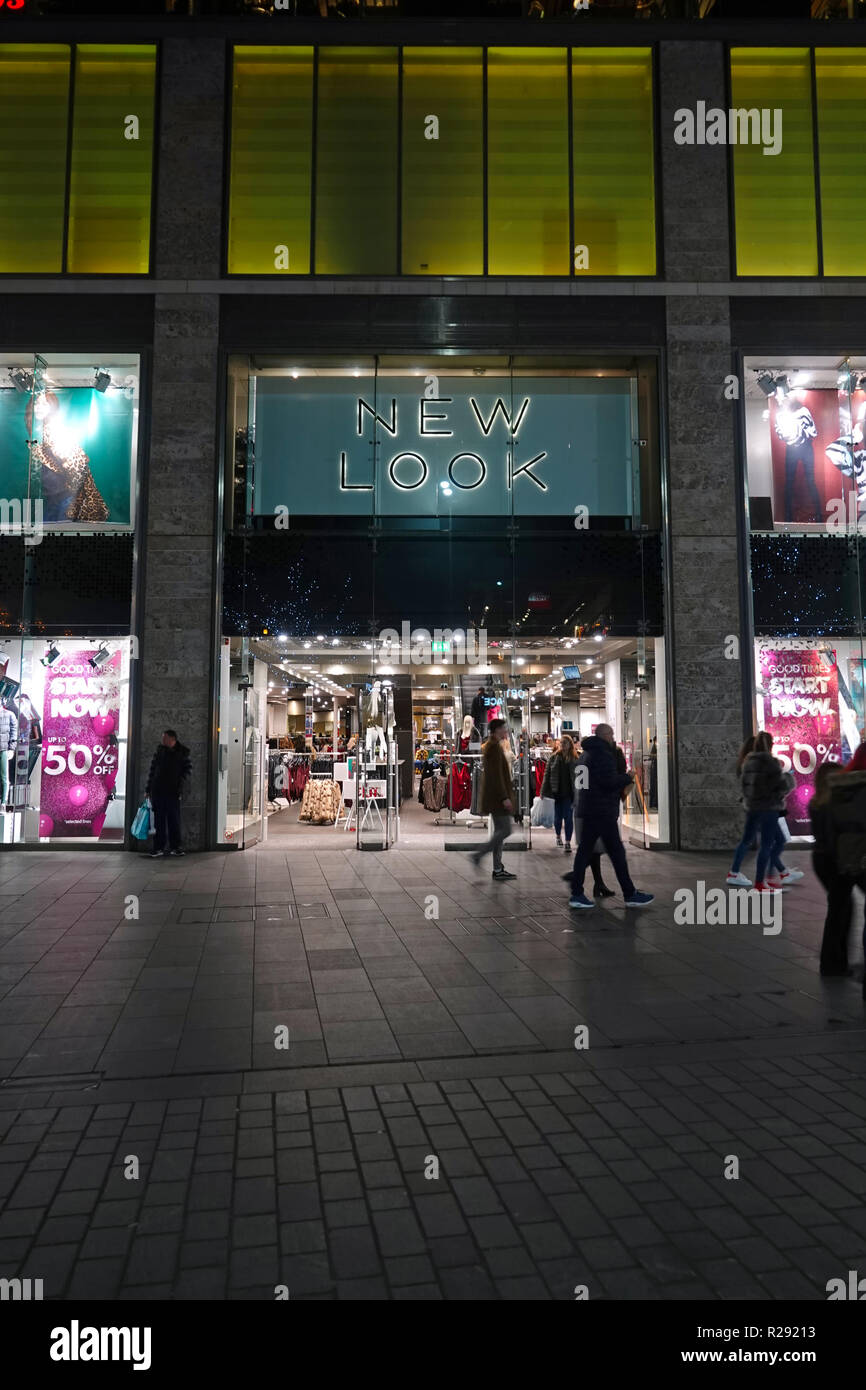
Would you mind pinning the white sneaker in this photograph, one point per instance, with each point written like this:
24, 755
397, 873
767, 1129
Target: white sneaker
738, 879
792, 875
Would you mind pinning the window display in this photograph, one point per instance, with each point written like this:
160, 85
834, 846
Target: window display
68, 431
63, 739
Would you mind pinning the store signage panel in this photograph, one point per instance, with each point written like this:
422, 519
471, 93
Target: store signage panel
80, 725
801, 711
542, 446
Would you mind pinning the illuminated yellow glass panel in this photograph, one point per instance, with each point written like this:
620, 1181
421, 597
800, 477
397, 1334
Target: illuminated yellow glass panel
613, 161
271, 161
356, 162
774, 194
840, 74
112, 159
443, 162
34, 106
527, 161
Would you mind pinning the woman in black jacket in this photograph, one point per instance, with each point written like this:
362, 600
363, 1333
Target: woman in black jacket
558, 784
765, 787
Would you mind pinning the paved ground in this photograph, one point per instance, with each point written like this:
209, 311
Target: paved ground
416, 1044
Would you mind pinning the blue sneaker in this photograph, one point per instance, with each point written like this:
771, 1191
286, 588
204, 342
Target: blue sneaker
640, 899
580, 900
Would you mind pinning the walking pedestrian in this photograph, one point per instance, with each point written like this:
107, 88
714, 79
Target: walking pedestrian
496, 797
598, 808
834, 943
166, 783
782, 874
765, 788
558, 784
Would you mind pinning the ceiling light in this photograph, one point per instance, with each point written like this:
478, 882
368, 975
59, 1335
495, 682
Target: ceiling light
599, 637
320, 638
282, 637
308, 644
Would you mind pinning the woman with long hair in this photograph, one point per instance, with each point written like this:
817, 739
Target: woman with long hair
765, 787
764, 742
558, 784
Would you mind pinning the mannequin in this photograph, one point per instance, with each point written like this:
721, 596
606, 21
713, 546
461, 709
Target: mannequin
8, 740
372, 710
469, 734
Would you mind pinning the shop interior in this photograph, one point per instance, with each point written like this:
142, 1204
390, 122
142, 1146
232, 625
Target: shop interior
297, 736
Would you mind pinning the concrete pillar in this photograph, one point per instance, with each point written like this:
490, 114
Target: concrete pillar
177, 631
705, 593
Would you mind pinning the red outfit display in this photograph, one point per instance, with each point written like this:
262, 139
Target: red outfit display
459, 796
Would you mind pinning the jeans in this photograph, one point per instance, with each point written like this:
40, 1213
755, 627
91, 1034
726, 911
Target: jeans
563, 813
801, 453
749, 833
166, 814
606, 829
501, 832
768, 829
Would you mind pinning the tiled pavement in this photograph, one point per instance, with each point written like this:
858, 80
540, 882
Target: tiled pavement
415, 1042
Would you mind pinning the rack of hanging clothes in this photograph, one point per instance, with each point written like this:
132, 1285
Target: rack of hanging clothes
461, 790
288, 773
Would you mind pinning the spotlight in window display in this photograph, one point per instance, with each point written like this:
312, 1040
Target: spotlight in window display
99, 657
50, 656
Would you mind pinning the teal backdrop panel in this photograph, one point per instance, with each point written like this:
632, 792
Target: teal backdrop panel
534, 446
85, 429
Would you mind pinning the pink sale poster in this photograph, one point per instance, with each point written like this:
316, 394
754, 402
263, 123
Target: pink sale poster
801, 711
81, 716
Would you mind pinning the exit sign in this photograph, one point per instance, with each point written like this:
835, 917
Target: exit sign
440, 647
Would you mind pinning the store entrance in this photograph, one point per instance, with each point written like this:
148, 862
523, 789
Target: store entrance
333, 741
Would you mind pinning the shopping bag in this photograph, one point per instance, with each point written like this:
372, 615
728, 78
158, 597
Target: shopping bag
141, 826
541, 815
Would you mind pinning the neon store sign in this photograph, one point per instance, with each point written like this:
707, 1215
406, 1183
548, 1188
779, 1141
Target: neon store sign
408, 469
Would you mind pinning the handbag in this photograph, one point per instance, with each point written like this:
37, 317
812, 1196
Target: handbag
142, 826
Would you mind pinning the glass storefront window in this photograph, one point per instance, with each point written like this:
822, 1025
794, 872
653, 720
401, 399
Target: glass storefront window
107, 149
64, 706
442, 161
806, 466
774, 195
436, 540
805, 419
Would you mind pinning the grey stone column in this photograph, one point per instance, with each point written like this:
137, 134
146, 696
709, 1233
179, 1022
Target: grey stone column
176, 634
705, 597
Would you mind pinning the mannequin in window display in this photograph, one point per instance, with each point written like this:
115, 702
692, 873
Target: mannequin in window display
29, 736
373, 713
68, 490
848, 454
796, 427
8, 741
470, 737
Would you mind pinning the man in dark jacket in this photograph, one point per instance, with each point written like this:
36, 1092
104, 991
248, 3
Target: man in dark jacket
478, 709
496, 793
166, 782
600, 788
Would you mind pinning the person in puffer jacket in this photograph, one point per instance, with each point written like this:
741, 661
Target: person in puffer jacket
765, 787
